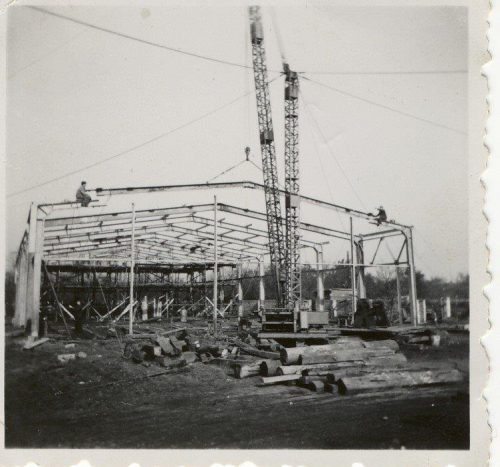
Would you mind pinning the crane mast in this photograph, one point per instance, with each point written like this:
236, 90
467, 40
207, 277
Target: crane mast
292, 198
269, 169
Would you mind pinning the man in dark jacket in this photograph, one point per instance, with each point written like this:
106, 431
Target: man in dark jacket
380, 216
82, 195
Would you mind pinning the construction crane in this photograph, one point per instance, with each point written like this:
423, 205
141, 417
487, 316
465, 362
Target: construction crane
292, 198
269, 168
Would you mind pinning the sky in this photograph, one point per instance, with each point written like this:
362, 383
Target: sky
383, 111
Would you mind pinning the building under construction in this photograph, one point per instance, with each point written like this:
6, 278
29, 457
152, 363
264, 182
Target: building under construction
168, 286
163, 260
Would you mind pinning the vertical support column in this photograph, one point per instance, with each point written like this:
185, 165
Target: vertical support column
320, 289
37, 275
30, 256
262, 288
167, 305
424, 311
144, 308
353, 271
240, 291
448, 307
21, 284
215, 267
398, 298
132, 271
360, 259
413, 280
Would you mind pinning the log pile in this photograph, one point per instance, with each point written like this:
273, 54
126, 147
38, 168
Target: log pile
351, 366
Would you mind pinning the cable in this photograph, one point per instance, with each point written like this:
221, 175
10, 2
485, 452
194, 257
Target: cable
323, 171
122, 153
330, 151
142, 41
386, 107
281, 46
369, 73
227, 170
53, 51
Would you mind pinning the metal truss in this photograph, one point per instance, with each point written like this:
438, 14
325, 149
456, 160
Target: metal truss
292, 199
266, 133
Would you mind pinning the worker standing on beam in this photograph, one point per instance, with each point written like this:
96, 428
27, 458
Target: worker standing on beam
82, 196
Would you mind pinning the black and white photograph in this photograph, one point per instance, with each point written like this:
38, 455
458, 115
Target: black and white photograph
237, 226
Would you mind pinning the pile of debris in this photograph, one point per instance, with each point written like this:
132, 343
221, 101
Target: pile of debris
349, 365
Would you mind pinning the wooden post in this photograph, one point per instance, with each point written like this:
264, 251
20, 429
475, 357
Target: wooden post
398, 292
132, 269
215, 268
320, 289
353, 272
424, 311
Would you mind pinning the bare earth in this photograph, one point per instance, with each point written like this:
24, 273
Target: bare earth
73, 405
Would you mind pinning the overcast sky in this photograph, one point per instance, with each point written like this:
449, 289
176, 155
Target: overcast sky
388, 124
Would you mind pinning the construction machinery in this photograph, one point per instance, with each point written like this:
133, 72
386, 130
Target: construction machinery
284, 252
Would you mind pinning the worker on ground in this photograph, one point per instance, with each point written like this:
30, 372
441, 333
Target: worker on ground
78, 313
82, 196
380, 216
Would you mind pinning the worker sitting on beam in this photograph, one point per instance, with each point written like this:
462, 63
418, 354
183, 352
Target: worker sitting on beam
82, 196
380, 216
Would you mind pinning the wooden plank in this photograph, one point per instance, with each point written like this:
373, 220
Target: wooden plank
279, 379
292, 335
30, 344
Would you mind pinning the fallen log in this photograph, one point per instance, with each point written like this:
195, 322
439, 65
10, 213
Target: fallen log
316, 386
384, 344
316, 367
386, 380
313, 356
247, 370
378, 372
397, 360
331, 387
251, 350
278, 379
292, 355
269, 367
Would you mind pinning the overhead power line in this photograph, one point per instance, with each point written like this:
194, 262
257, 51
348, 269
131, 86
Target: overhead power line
325, 141
386, 107
402, 72
143, 41
228, 62
134, 148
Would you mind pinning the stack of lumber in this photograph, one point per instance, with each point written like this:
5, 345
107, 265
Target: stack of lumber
353, 366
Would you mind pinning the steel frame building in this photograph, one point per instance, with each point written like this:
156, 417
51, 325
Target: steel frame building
187, 239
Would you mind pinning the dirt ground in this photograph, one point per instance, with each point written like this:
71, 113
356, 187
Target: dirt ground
105, 401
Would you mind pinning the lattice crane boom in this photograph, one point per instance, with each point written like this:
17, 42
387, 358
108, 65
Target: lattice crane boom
292, 198
269, 166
